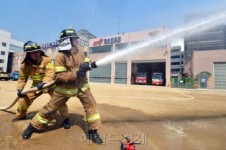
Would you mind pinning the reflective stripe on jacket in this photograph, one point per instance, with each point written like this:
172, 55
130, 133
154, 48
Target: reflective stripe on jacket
42, 71
66, 66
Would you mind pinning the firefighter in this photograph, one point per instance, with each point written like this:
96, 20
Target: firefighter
71, 80
39, 68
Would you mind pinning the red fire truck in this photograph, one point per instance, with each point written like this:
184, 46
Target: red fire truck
157, 78
141, 78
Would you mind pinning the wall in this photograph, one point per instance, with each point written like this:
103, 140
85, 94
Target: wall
204, 60
4, 37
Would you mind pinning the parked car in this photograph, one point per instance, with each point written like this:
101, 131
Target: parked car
15, 75
4, 75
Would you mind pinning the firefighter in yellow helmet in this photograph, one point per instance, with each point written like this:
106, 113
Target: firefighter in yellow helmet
71, 67
39, 68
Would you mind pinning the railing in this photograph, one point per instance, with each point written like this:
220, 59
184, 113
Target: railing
183, 82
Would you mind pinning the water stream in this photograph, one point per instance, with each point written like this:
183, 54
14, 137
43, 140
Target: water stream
191, 28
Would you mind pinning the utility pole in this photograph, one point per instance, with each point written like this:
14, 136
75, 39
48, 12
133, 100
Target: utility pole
119, 21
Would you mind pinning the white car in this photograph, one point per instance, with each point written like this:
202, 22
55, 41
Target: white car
4, 75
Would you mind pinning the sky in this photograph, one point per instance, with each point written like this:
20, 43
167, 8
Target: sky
43, 20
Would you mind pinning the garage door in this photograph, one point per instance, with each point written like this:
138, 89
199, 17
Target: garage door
121, 73
101, 74
220, 75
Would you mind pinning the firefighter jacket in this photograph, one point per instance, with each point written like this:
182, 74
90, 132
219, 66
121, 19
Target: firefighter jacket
41, 71
66, 66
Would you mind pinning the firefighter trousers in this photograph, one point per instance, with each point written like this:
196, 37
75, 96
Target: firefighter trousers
42, 118
25, 102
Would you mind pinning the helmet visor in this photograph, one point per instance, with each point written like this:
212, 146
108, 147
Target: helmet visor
65, 44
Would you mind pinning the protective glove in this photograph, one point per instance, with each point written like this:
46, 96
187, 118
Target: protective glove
93, 65
40, 85
19, 93
81, 73
85, 67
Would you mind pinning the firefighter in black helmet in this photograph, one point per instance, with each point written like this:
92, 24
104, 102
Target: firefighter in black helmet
71, 67
68, 33
39, 68
32, 47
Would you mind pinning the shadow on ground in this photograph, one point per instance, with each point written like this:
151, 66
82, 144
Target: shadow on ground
116, 120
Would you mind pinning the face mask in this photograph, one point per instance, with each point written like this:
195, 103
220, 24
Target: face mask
65, 45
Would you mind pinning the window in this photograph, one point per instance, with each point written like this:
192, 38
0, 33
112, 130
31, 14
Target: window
2, 53
175, 70
1, 61
4, 44
178, 56
1, 69
121, 46
175, 63
175, 50
100, 49
15, 48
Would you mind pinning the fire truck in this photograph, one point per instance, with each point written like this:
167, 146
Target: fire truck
141, 78
157, 78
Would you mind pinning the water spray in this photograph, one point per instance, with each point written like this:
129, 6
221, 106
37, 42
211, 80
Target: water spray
194, 27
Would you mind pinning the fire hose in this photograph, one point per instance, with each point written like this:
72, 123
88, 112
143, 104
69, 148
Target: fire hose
34, 89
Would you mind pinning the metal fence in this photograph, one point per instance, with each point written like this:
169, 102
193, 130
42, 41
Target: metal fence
182, 82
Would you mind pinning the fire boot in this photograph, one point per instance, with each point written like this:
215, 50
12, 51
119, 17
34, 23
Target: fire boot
18, 119
28, 132
66, 123
95, 137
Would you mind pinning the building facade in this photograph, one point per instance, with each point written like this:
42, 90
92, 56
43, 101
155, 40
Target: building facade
212, 39
122, 70
208, 68
7, 47
177, 57
205, 56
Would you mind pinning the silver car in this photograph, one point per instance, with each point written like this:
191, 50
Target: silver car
4, 75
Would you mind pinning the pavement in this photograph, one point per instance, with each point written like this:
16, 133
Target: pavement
159, 117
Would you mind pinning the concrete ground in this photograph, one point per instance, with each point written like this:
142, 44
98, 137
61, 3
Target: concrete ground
159, 117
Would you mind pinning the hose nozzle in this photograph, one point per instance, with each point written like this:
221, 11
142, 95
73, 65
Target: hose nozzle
93, 65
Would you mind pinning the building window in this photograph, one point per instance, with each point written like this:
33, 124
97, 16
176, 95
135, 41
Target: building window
1, 61
1, 69
175, 63
175, 50
4, 44
173, 57
100, 49
121, 46
2, 53
175, 70
15, 48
